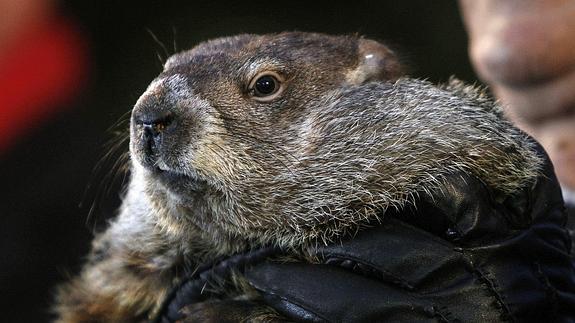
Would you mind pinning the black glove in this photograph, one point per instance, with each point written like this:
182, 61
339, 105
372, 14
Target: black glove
465, 255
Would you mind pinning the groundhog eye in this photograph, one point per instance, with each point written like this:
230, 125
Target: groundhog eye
266, 86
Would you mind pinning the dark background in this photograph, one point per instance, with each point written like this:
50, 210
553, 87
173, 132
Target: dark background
53, 194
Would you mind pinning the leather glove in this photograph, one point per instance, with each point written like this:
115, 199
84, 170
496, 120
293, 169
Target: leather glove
463, 254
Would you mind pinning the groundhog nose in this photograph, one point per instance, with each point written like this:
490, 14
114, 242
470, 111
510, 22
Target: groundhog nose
152, 124
153, 130
153, 121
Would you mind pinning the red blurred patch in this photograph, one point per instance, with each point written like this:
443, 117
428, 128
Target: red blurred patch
40, 74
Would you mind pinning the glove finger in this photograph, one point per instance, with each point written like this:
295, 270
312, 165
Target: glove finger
324, 293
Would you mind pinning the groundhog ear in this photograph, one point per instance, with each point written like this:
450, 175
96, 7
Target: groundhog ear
375, 62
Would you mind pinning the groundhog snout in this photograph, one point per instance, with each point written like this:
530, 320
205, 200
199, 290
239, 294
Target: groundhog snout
154, 127
152, 122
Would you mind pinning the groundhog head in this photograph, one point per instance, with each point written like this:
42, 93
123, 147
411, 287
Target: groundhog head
218, 133
298, 137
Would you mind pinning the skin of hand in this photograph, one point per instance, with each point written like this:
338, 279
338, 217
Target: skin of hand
525, 51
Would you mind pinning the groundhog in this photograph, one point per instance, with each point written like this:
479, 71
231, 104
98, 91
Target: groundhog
287, 140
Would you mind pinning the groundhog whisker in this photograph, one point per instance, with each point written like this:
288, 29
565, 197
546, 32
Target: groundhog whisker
120, 167
113, 146
175, 38
122, 123
162, 46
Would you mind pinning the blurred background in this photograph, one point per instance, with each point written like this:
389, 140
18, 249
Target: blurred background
70, 72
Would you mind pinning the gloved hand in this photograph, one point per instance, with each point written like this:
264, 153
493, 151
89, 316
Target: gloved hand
465, 255
395, 272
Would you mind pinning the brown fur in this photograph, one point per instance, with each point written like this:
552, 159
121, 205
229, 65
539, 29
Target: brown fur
225, 171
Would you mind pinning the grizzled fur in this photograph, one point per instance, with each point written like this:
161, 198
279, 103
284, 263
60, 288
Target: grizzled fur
346, 139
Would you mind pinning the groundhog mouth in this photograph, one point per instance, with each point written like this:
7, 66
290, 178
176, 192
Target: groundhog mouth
176, 181
170, 176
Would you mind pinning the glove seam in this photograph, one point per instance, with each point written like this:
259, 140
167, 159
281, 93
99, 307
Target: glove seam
550, 291
396, 280
292, 301
492, 286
